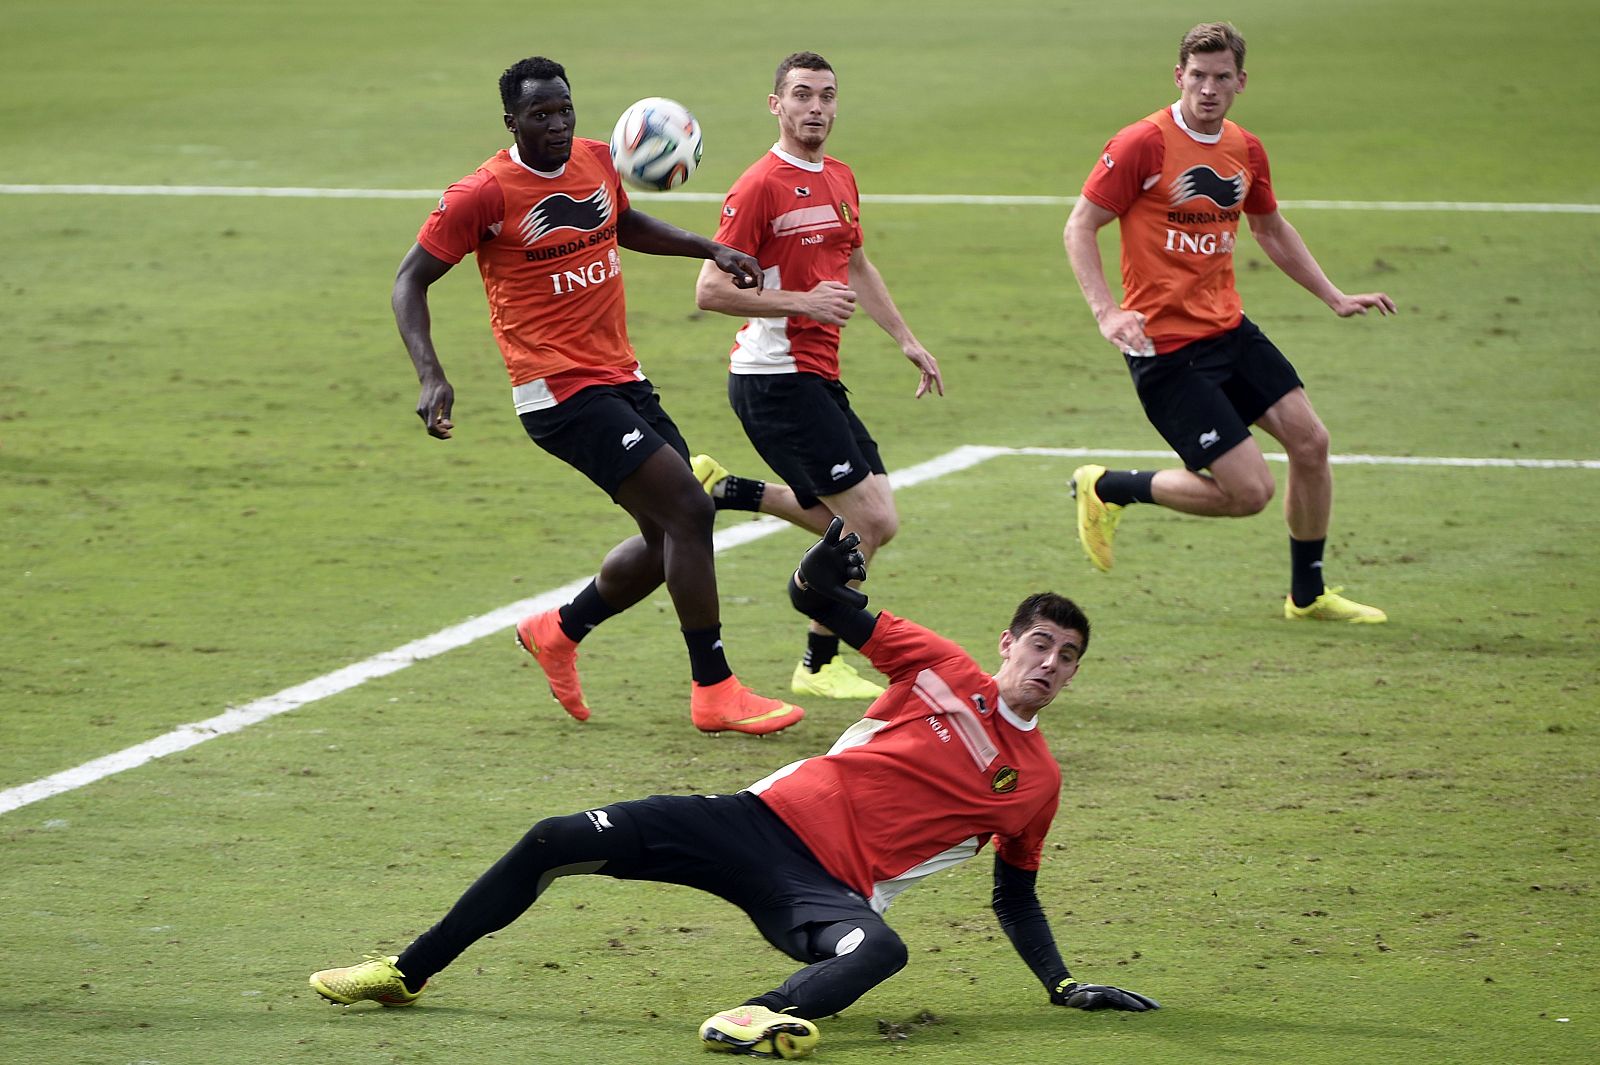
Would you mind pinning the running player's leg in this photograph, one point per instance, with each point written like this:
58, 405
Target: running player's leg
1308, 500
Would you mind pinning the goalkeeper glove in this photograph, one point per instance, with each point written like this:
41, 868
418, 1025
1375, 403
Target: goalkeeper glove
1099, 997
831, 563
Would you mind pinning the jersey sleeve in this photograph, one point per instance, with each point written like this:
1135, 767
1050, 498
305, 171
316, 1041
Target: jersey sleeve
900, 649
1026, 849
743, 220
469, 212
1260, 198
1129, 159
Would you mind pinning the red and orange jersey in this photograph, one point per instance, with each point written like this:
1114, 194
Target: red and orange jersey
1179, 196
802, 221
938, 766
546, 246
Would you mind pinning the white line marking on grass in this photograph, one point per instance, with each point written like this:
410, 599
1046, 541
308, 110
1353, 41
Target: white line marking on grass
935, 199
473, 629
1336, 460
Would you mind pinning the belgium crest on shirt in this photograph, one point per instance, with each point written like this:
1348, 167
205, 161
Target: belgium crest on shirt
1005, 780
844, 211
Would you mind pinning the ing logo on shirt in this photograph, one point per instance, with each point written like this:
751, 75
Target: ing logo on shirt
1005, 780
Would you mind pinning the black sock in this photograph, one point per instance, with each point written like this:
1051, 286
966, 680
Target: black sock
707, 663
585, 611
821, 648
1305, 570
739, 493
1125, 486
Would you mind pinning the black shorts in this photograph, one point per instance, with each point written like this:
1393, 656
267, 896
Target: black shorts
736, 848
1204, 397
606, 432
802, 426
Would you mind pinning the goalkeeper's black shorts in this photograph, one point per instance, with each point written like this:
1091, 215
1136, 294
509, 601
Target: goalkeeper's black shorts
735, 847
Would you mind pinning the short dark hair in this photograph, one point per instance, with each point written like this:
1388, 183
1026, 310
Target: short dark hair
1048, 606
1212, 37
534, 68
797, 61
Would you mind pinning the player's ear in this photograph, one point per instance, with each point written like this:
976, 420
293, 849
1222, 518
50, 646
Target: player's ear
1177, 76
772, 102
1006, 642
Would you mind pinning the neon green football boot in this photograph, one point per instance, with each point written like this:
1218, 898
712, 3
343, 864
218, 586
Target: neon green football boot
709, 472
760, 1033
1331, 606
836, 680
374, 980
1097, 519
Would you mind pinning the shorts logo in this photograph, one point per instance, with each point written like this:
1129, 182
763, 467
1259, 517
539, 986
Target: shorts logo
631, 439
802, 190
599, 819
841, 471
1005, 780
850, 941
1209, 438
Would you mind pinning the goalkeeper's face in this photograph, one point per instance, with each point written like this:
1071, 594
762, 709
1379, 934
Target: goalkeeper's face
1035, 666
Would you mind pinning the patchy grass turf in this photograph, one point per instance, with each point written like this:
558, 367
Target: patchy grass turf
1311, 844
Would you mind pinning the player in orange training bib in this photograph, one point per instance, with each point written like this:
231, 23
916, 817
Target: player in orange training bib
546, 219
1178, 181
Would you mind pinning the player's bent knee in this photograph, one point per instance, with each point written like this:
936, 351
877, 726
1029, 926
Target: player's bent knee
875, 948
1250, 499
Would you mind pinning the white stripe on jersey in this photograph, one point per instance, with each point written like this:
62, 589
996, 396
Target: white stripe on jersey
806, 220
854, 736
885, 891
932, 690
762, 344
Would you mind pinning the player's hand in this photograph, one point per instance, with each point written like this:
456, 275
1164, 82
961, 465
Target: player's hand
831, 563
925, 362
1125, 330
1361, 302
831, 303
744, 269
1078, 996
434, 404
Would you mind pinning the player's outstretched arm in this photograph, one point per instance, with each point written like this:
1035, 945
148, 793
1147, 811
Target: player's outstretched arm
880, 307
820, 586
640, 232
1016, 906
1287, 250
418, 270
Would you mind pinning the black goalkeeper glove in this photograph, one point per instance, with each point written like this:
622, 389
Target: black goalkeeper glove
831, 563
1100, 997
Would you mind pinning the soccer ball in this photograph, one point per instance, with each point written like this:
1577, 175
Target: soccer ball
656, 144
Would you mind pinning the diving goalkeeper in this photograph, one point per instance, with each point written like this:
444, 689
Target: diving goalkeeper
945, 760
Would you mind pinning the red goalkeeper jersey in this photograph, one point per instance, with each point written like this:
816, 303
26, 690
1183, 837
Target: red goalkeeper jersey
938, 766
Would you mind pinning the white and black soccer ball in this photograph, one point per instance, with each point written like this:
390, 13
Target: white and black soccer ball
656, 144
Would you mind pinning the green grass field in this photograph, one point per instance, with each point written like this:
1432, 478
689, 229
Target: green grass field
1311, 845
